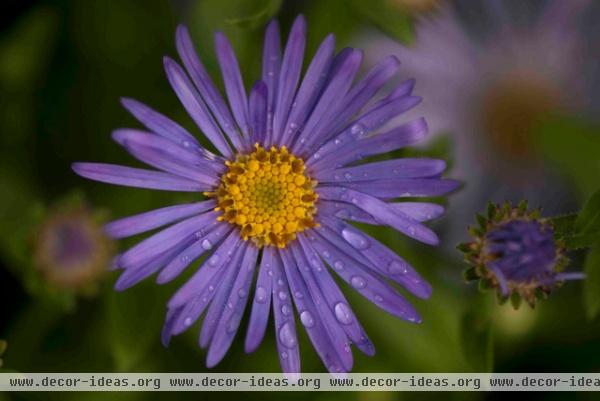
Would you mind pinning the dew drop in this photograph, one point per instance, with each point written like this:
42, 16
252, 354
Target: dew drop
307, 319
355, 239
298, 295
326, 254
337, 141
287, 336
397, 268
357, 130
285, 309
348, 176
241, 293
378, 298
261, 295
214, 260
187, 321
343, 313
343, 214
206, 244
282, 296
338, 265
358, 282
284, 355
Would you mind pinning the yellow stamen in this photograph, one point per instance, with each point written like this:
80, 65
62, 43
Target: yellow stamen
268, 195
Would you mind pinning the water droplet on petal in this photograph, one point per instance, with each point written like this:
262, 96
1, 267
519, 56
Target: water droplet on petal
282, 295
187, 321
307, 319
355, 239
214, 260
343, 313
338, 265
241, 293
358, 282
261, 295
206, 244
285, 310
357, 130
287, 336
397, 268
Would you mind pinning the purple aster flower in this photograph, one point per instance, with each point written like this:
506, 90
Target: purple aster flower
281, 188
516, 252
71, 248
491, 87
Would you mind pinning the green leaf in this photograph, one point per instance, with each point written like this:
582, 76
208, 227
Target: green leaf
476, 336
564, 226
391, 20
587, 225
134, 323
591, 285
572, 145
259, 16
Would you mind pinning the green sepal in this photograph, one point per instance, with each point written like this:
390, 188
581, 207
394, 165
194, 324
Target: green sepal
470, 274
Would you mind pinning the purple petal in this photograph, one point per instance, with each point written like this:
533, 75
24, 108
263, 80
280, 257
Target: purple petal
419, 211
195, 106
234, 85
346, 211
189, 155
289, 76
310, 89
147, 221
364, 90
271, 65
397, 138
209, 238
358, 132
258, 112
166, 239
160, 124
335, 299
209, 92
309, 315
261, 304
369, 285
218, 304
404, 88
213, 264
332, 322
234, 311
401, 188
381, 211
329, 104
149, 149
380, 258
134, 274
569, 276
285, 326
389, 169
170, 319
135, 177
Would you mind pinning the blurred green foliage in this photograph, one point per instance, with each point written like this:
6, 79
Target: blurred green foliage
64, 64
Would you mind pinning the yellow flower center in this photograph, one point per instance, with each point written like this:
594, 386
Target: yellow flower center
268, 195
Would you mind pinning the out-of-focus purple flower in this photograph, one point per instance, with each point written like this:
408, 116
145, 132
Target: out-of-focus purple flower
515, 251
492, 88
281, 190
71, 249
